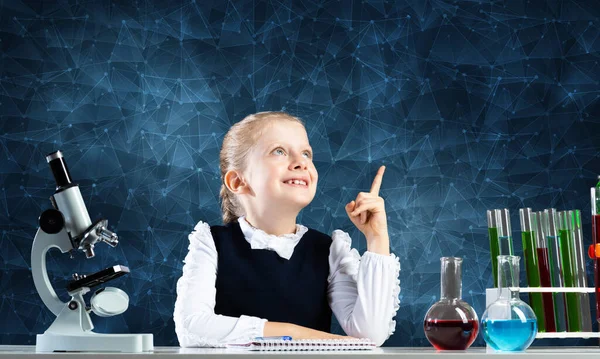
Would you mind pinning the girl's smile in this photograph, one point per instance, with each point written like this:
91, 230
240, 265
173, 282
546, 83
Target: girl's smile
301, 182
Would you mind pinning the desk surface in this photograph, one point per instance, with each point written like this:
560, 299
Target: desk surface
24, 352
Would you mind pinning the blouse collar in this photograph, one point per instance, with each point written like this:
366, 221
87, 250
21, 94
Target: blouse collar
284, 245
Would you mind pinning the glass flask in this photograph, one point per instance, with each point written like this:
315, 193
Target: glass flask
509, 324
451, 323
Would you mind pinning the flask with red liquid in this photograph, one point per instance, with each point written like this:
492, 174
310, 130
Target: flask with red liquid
451, 323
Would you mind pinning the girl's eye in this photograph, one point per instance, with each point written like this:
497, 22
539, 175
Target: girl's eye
280, 152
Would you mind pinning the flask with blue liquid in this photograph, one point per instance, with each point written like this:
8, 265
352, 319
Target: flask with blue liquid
508, 324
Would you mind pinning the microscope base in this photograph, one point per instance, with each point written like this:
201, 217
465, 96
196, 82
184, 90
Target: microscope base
71, 331
94, 342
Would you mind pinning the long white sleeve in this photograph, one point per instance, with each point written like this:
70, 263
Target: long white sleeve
363, 292
196, 323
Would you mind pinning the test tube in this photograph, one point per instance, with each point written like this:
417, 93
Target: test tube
544, 269
505, 244
528, 225
550, 222
494, 246
595, 196
585, 314
567, 254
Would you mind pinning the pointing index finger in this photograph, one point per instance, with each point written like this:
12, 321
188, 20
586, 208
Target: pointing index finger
377, 181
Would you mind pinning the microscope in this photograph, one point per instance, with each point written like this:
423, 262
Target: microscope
68, 227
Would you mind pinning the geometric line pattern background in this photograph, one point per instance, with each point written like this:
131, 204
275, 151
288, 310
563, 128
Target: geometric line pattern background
470, 105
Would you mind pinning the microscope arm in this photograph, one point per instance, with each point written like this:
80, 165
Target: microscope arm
41, 244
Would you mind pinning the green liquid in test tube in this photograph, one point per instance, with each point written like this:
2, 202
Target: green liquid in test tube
550, 221
494, 245
597, 199
528, 223
504, 232
585, 315
567, 254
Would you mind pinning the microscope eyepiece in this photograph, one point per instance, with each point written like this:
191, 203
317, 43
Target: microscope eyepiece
59, 169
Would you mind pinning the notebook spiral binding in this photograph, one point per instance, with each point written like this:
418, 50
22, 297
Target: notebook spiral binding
313, 344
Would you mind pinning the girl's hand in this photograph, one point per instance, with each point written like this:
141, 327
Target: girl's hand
367, 213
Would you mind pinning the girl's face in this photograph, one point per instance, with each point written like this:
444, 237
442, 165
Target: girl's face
280, 170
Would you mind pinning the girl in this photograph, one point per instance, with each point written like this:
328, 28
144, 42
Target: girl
261, 274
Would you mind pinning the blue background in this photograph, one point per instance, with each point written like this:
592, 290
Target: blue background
471, 105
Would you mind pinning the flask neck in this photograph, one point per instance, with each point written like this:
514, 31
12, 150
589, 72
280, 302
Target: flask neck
451, 278
508, 277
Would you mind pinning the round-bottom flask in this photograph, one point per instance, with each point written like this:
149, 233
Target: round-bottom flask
508, 324
451, 323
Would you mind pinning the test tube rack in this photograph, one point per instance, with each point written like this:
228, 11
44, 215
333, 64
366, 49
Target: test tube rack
491, 294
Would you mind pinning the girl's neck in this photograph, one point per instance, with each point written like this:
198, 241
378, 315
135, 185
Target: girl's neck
275, 225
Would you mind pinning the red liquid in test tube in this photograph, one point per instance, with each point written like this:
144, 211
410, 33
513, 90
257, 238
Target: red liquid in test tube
546, 282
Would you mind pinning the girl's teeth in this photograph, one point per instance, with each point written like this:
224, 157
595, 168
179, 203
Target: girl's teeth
296, 182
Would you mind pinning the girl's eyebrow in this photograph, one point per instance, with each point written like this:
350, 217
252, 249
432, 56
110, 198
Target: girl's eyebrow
273, 145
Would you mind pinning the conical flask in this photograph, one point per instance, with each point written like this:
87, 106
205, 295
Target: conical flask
508, 324
451, 323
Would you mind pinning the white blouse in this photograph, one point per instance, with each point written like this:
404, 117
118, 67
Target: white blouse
362, 292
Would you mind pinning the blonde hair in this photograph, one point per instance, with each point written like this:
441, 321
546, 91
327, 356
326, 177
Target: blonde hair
237, 143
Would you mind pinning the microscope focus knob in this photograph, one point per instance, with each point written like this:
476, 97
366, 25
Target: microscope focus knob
51, 221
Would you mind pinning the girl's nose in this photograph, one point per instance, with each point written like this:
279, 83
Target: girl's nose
299, 163
300, 166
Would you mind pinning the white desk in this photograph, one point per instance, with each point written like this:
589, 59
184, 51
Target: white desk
28, 352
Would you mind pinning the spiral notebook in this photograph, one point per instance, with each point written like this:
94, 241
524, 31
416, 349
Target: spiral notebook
306, 344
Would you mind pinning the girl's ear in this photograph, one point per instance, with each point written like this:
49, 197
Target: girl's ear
235, 183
